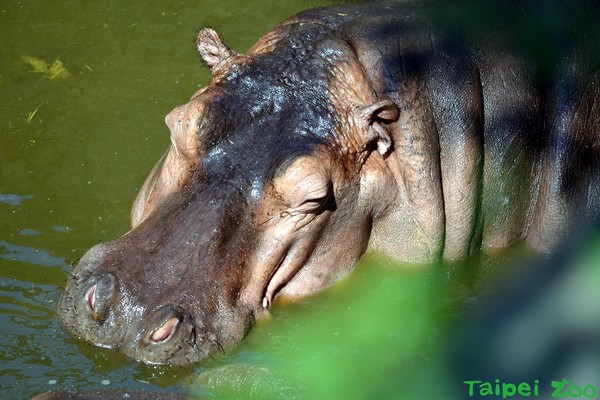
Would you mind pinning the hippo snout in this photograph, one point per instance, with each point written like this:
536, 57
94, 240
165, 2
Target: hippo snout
149, 321
169, 323
97, 311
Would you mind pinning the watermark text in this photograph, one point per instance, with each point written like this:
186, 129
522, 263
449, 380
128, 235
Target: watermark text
506, 390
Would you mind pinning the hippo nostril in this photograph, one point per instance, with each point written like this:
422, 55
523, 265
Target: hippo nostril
90, 296
170, 335
100, 296
167, 324
165, 331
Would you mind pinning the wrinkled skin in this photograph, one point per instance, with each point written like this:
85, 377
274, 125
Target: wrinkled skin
338, 131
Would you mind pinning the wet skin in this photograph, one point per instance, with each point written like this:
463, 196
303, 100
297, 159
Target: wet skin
340, 130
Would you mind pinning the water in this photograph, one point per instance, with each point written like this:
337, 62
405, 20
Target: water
74, 149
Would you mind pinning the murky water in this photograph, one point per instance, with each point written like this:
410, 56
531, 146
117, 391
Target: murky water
84, 87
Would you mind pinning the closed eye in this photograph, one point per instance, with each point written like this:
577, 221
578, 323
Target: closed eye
315, 200
312, 205
305, 187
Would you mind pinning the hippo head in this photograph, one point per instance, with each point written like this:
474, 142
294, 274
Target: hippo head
267, 189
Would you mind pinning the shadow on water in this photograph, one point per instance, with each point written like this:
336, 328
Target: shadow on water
74, 152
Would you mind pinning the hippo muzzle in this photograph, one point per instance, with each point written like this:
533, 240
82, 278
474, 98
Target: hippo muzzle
99, 310
138, 294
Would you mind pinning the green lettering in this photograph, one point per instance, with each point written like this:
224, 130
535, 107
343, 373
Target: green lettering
471, 386
524, 389
589, 391
574, 391
486, 389
558, 387
508, 390
535, 387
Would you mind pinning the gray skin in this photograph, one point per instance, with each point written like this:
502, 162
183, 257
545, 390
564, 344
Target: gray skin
342, 129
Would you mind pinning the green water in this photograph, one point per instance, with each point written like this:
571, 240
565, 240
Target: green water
74, 150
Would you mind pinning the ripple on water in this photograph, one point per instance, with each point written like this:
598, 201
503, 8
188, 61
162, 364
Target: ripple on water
14, 199
13, 252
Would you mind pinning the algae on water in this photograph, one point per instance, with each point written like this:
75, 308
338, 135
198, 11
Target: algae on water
55, 71
58, 71
37, 64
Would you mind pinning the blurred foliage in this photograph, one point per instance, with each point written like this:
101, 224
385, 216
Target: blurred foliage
373, 335
388, 332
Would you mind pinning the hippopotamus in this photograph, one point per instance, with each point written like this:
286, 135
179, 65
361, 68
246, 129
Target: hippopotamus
343, 129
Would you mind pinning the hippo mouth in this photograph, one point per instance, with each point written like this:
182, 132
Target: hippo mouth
167, 334
104, 292
98, 308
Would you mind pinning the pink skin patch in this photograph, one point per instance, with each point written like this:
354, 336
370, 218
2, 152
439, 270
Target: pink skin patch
91, 298
165, 331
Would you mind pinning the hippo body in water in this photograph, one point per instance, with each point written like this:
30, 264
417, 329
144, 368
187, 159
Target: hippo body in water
343, 129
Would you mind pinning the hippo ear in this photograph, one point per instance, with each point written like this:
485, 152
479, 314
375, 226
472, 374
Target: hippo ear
372, 119
212, 49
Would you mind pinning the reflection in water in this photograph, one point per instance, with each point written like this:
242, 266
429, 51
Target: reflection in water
13, 199
29, 255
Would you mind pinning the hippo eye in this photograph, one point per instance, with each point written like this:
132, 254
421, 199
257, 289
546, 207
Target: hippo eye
306, 185
313, 204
